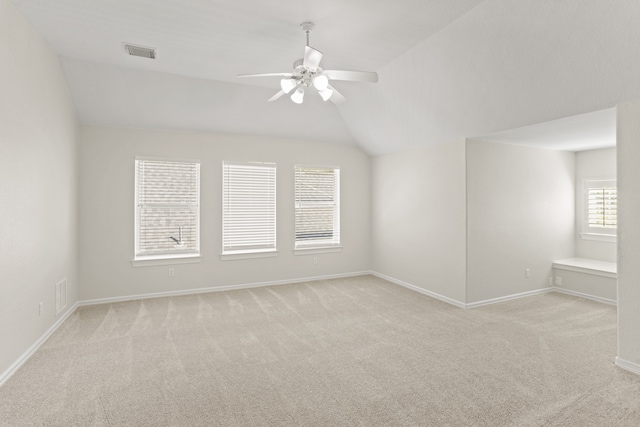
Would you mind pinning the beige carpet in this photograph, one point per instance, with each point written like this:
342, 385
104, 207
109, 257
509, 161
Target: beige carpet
357, 351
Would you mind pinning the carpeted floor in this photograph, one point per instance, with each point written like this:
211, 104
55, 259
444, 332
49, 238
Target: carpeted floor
355, 351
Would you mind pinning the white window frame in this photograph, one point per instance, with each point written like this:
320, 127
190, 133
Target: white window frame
604, 234
169, 257
304, 247
266, 246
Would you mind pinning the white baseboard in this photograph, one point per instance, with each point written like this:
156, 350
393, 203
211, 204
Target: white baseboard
586, 296
18, 363
508, 297
110, 300
420, 290
456, 302
493, 300
36, 345
629, 366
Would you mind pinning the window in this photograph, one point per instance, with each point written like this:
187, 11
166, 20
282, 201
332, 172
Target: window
600, 209
248, 209
167, 211
317, 205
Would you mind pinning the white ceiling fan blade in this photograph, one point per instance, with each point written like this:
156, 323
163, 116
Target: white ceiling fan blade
276, 96
336, 97
266, 75
352, 76
312, 58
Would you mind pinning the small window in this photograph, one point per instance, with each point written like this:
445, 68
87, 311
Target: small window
167, 211
600, 209
317, 207
248, 209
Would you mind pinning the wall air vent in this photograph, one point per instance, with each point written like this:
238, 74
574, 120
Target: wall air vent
141, 51
61, 295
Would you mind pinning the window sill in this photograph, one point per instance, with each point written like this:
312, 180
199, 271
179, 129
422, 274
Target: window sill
599, 237
248, 255
317, 250
165, 260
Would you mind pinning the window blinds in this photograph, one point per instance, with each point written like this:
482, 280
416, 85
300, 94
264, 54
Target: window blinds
248, 207
602, 207
167, 202
317, 206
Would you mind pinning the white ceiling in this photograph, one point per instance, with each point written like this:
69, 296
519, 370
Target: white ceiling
587, 131
448, 69
109, 95
218, 39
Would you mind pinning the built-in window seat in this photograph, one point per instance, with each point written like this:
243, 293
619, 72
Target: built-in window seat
587, 278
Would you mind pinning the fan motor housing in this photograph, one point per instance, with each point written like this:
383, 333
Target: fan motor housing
303, 74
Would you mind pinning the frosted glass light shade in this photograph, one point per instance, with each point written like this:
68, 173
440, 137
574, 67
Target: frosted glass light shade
298, 96
320, 82
287, 85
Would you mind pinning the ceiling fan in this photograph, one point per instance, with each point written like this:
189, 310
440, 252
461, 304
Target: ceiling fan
308, 73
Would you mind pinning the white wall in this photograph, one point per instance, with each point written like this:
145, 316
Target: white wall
418, 218
628, 135
106, 210
593, 164
520, 210
38, 165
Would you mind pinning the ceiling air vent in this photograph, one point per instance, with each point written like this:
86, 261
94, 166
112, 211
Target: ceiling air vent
141, 51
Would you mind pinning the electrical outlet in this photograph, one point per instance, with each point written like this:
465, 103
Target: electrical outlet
558, 280
172, 272
41, 308
527, 273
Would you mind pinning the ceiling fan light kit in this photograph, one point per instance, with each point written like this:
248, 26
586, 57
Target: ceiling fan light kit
298, 96
320, 82
288, 85
308, 73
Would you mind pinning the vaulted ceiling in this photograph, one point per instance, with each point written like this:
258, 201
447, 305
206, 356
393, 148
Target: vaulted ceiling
448, 69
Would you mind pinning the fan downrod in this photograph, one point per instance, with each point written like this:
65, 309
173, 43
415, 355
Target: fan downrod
307, 27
